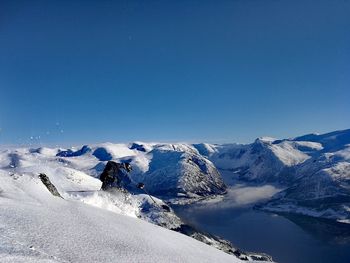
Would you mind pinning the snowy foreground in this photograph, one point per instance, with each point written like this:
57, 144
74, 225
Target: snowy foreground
306, 175
93, 225
35, 226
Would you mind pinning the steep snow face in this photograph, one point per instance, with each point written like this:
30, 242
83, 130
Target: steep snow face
38, 227
289, 153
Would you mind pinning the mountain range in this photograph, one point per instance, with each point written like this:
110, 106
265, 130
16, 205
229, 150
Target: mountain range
313, 172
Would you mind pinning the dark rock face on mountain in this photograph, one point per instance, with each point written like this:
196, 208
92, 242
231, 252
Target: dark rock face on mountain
115, 175
139, 147
70, 153
102, 154
222, 244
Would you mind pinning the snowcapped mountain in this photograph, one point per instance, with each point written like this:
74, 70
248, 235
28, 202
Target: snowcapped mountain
180, 171
73, 173
167, 170
314, 169
322, 183
265, 160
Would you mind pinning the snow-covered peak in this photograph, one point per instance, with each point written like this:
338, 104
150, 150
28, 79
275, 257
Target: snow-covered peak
266, 139
167, 169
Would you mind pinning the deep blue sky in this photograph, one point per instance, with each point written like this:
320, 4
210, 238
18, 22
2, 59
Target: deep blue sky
217, 71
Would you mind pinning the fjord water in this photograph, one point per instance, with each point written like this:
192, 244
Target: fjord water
288, 239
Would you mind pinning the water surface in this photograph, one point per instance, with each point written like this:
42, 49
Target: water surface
288, 239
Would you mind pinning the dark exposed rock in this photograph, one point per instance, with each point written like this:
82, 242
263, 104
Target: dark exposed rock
14, 160
115, 174
138, 147
102, 154
70, 153
46, 181
221, 244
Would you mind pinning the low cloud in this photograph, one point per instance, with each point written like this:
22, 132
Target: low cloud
242, 196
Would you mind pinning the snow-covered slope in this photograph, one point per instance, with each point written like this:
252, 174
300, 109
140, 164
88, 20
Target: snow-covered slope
271, 160
179, 170
35, 226
322, 182
70, 172
262, 161
321, 188
168, 170
313, 168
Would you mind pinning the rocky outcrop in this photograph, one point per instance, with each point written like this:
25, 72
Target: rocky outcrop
46, 181
70, 153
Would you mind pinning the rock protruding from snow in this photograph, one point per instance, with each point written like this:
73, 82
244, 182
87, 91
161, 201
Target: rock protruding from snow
46, 181
37, 227
167, 170
70, 153
313, 166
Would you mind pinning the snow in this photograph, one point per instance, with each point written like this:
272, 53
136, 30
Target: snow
205, 149
116, 150
310, 145
38, 227
116, 202
294, 175
288, 154
267, 139
165, 168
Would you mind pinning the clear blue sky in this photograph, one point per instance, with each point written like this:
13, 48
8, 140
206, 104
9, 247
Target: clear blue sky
217, 71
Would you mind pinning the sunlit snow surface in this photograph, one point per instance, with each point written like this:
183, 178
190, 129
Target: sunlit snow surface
90, 225
38, 227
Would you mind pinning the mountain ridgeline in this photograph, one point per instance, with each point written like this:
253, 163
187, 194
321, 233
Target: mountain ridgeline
313, 169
